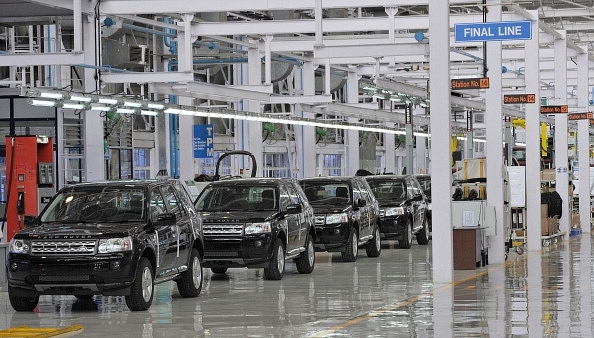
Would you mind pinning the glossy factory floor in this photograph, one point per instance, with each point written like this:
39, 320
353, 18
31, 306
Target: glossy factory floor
538, 294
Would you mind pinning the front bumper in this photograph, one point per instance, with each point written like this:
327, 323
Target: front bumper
32, 275
393, 226
254, 251
332, 237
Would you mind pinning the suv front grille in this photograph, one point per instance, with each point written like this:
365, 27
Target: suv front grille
76, 247
222, 229
320, 220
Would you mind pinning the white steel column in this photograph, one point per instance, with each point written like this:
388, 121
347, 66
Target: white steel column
252, 134
494, 148
390, 151
561, 153
93, 123
186, 123
583, 140
306, 148
441, 177
420, 157
531, 51
352, 136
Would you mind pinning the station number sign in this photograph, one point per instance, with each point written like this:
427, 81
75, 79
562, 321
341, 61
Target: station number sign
474, 83
519, 98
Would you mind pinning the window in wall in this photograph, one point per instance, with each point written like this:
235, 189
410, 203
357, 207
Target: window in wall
142, 163
208, 165
276, 165
332, 164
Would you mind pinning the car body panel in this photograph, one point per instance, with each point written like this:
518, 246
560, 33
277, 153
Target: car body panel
409, 197
332, 196
229, 206
64, 239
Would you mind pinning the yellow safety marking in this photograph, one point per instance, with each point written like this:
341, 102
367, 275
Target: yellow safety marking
470, 287
412, 300
38, 332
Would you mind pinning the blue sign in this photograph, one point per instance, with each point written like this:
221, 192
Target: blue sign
493, 31
203, 141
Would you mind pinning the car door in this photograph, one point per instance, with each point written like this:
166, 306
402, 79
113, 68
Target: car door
360, 194
166, 234
183, 229
294, 222
418, 203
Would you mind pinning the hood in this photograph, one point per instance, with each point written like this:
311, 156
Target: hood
330, 209
237, 216
384, 203
80, 230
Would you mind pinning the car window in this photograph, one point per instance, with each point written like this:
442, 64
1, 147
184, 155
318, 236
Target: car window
415, 190
157, 203
239, 198
293, 195
327, 192
172, 202
95, 205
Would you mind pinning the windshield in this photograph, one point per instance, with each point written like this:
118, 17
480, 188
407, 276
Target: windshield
238, 198
327, 193
393, 190
116, 205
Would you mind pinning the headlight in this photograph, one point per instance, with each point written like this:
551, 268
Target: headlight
258, 228
429, 206
115, 244
19, 246
337, 218
394, 211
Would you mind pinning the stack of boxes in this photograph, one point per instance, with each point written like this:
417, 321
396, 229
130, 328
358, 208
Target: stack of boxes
548, 225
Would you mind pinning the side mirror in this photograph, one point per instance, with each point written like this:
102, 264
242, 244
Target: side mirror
294, 209
29, 220
165, 219
361, 202
418, 197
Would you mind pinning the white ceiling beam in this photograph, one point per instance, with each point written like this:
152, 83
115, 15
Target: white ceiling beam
184, 6
377, 50
256, 93
152, 22
547, 13
149, 77
45, 59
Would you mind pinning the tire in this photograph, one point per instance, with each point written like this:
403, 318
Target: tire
143, 287
423, 234
406, 241
374, 247
190, 283
22, 303
352, 247
305, 263
276, 266
218, 270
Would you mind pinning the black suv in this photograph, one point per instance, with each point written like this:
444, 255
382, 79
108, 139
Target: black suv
111, 238
346, 215
403, 208
257, 223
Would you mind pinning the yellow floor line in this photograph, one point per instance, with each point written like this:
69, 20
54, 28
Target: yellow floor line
41, 332
412, 300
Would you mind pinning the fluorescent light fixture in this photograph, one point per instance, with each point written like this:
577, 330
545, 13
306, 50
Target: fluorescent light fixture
81, 98
100, 108
201, 113
108, 101
172, 110
157, 106
51, 95
187, 112
132, 104
42, 103
219, 115
73, 106
125, 111
149, 112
